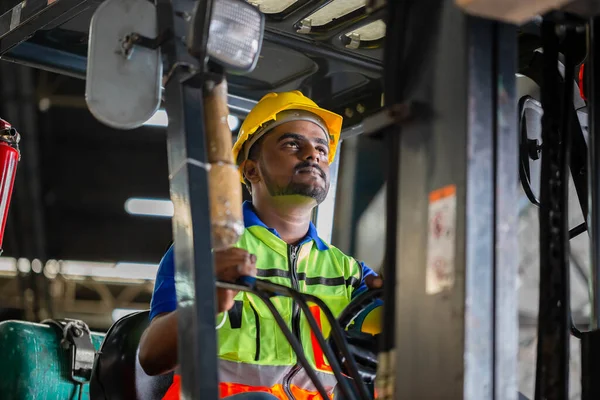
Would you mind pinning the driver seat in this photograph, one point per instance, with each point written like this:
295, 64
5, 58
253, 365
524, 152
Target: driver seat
117, 373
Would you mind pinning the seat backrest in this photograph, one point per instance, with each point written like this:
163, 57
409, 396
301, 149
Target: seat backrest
117, 373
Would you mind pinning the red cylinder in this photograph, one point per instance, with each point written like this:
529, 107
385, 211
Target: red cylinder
9, 158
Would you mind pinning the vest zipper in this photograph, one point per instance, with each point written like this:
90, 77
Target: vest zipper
292, 264
257, 323
293, 261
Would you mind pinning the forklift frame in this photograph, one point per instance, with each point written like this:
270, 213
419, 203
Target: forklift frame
451, 120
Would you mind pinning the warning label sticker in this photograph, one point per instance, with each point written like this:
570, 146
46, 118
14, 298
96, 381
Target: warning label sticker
441, 241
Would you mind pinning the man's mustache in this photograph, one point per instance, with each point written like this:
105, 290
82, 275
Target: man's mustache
307, 164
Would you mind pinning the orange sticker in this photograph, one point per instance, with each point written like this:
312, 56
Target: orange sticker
441, 240
439, 194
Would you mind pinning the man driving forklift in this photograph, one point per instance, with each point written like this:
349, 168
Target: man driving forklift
283, 152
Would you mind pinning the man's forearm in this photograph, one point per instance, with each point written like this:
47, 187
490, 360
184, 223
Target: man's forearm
158, 345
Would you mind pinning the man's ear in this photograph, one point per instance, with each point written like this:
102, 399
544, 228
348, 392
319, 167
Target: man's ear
251, 171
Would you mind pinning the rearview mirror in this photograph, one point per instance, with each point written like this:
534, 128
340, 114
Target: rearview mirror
123, 83
124, 68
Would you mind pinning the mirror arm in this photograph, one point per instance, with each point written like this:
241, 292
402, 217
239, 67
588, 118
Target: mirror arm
135, 39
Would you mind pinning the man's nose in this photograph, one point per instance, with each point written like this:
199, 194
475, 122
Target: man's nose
312, 153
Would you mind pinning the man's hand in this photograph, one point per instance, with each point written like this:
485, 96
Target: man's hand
374, 282
230, 264
158, 345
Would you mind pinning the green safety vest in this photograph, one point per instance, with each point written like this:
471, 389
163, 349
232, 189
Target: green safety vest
254, 354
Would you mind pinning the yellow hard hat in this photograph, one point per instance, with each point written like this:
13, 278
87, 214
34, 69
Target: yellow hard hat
271, 105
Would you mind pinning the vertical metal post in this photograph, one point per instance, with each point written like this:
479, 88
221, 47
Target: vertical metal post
506, 235
194, 271
456, 314
324, 214
552, 373
342, 236
590, 341
593, 217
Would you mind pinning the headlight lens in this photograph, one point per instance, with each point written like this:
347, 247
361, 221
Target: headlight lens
235, 35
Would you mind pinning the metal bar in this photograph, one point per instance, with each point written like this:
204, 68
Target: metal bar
386, 382
479, 277
195, 280
452, 292
530, 321
47, 59
342, 236
578, 230
371, 124
325, 212
590, 365
321, 49
593, 216
62, 62
240, 106
28, 17
552, 371
197, 32
506, 236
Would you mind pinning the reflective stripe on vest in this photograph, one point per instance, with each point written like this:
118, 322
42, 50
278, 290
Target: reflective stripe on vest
230, 389
253, 350
270, 376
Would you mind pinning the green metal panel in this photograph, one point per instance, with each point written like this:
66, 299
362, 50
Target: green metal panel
33, 365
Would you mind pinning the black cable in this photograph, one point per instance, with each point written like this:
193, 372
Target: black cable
524, 155
578, 230
333, 362
294, 343
574, 330
340, 341
336, 331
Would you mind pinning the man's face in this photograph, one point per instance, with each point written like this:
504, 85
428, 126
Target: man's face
293, 161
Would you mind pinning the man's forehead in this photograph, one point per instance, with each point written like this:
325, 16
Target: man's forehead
306, 129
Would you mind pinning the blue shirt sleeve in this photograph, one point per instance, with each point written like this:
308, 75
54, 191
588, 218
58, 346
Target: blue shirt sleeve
164, 297
366, 271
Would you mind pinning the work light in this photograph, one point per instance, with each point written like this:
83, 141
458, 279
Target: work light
235, 35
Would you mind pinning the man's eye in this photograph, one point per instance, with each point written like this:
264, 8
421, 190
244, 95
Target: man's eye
323, 150
292, 144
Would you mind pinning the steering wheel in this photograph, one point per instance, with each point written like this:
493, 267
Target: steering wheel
361, 322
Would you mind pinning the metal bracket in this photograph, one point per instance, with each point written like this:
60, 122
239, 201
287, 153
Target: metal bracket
135, 39
369, 125
77, 339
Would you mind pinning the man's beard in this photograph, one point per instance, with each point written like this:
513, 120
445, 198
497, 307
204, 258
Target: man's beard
298, 189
